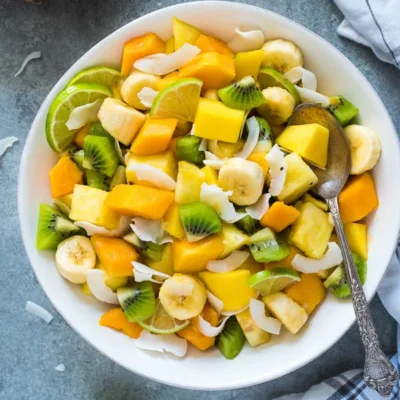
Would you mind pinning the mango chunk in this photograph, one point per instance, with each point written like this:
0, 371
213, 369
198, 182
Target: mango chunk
170, 46
64, 176
214, 69
259, 158
215, 121
168, 79
248, 63
188, 183
309, 141
357, 237
210, 43
184, 33
80, 136
172, 222
279, 216
117, 320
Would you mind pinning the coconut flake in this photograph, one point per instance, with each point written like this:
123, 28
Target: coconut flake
230, 313
211, 156
39, 311
162, 64
191, 133
307, 78
310, 96
144, 273
162, 343
92, 229
216, 198
154, 175
203, 145
215, 302
121, 157
277, 170
179, 288
230, 263
267, 324
147, 96
60, 368
95, 281
7, 143
257, 210
148, 230
331, 258
246, 41
252, 138
207, 329
82, 115
213, 161
32, 56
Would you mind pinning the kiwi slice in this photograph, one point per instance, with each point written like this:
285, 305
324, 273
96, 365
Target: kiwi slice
119, 177
266, 246
342, 110
269, 77
151, 250
337, 281
247, 224
243, 94
53, 228
231, 340
199, 220
97, 180
96, 129
77, 157
138, 301
265, 138
100, 155
187, 149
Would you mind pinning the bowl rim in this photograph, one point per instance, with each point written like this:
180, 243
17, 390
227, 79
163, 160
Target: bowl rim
24, 165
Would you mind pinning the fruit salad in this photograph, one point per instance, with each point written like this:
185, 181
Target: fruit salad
183, 194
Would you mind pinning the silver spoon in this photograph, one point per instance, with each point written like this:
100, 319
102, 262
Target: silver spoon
379, 373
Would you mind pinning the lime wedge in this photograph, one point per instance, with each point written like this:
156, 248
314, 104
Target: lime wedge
178, 100
162, 323
101, 75
58, 135
273, 280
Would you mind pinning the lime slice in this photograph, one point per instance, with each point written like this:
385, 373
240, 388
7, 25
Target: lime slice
57, 133
273, 280
162, 323
178, 100
101, 75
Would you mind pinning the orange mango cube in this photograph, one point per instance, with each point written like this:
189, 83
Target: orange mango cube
64, 176
117, 320
279, 216
209, 43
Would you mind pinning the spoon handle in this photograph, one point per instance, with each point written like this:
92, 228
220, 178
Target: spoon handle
379, 373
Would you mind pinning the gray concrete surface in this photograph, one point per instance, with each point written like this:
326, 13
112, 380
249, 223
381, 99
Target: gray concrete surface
29, 349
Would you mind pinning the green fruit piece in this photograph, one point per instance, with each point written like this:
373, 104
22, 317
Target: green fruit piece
231, 340
337, 281
178, 100
187, 149
146, 249
58, 135
162, 323
96, 129
138, 302
199, 220
266, 246
342, 109
273, 280
247, 224
102, 75
119, 177
265, 139
53, 228
100, 155
269, 77
243, 94
77, 157
97, 180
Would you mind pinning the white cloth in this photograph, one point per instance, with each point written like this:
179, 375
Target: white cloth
373, 23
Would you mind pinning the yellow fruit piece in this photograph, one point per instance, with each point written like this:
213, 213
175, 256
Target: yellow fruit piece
86, 290
172, 222
259, 158
211, 175
300, 178
232, 238
312, 230
80, 136
210, 43
248, 63
117, 320
67, 199
214, 120
64, 176
279, 216
309, 141
183, 128
252, 265
89, 204
322, 204
165, 162
214, 69
168, 79
286, 262
308, 292
357, 237
254, 335
230, 287
184, 33
165, 265
170, 46
211, 94
193, 257
113, 282
188, 183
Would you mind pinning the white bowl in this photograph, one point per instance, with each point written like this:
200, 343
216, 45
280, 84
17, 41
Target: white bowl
209, 370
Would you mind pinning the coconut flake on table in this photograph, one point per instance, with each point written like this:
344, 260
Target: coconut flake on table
307, 78
147, 96
7, 143
230, 263
83, 115
162, 343
154, 175
95, 281
246, 41
310, 96
60, 368
257, 210
148, 230
39, 311
162, 64
215, 302
331, 258
231, 313
277, 170
143, 273
32, 56
267, 324
92, 229
252, 138
208, 330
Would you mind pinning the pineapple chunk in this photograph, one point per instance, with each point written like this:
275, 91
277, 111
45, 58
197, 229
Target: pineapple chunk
89, 204
232, 238
254, 335
211, 175
312, 230
356, 234
188, 184
172, 222
184, 33
248, 63
322, 204
165, 265
299, 179
286, 310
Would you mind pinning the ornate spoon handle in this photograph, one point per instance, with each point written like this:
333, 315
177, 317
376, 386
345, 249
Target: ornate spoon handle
379, 373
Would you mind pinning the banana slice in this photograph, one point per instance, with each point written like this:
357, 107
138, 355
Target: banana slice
183, 296
365, 148
75, 256
244, 178
281, 55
